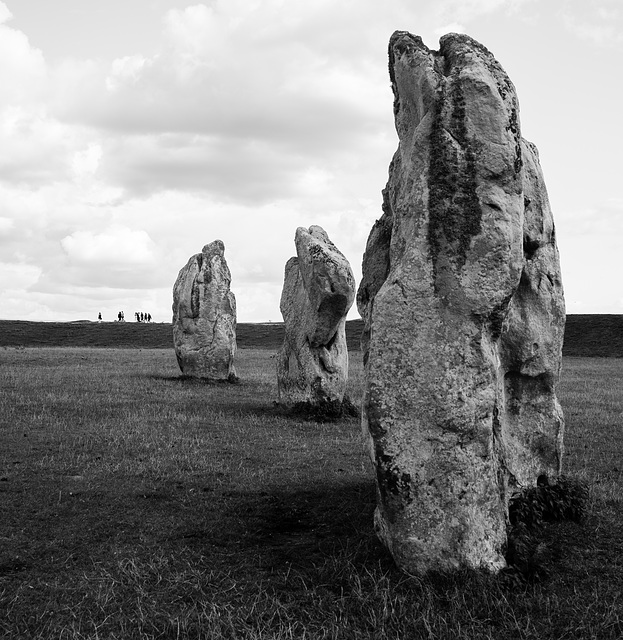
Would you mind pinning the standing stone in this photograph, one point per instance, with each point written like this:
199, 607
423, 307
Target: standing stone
463, 313
318, 291
204, 316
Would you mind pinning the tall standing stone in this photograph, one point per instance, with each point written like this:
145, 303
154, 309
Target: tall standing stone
463, 313
204, 316
318, 291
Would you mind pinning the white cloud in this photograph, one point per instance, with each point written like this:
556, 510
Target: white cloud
604, 33
196, 34
453, 27
115, 247
597, 23
16, 276
466, 10
5, 14
126, 70
23, 73
249, 125
603, 220
252, 298
34, 147
607, 13
6, 224
116, 257
590, 247
267, 83
86, 162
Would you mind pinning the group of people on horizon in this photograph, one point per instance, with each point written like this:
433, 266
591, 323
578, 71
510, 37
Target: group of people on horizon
139, 315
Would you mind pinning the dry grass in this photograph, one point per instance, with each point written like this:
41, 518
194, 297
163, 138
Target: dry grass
134, 504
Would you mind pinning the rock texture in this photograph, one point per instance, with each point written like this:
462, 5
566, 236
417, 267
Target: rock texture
463, 310
318, 291
204, 316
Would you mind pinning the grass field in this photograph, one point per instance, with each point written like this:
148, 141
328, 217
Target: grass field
585, 335
136, 504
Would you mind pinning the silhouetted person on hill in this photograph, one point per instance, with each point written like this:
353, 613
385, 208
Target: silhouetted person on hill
99, 316
149, 317
119, 316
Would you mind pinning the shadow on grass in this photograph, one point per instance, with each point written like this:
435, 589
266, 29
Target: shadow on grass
296, 525
191, 380
244, 401
300, 545
273, 529
298, 557
301, 413
293, 517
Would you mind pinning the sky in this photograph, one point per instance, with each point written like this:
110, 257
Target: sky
134, 132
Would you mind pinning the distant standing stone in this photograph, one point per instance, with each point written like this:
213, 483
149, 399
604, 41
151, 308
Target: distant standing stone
463, 313
318, 291
204, 316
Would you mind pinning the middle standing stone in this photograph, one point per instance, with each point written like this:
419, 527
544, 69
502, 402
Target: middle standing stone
318, 291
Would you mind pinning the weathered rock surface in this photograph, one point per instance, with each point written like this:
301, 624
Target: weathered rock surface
464, 313
318, 291
204, 316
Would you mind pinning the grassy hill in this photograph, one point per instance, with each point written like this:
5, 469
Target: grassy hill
594, 335
134, 335
585, 335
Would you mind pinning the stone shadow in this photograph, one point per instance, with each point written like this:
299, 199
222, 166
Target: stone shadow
298, 528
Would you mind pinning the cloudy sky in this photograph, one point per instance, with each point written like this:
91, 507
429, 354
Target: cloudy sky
133, 132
